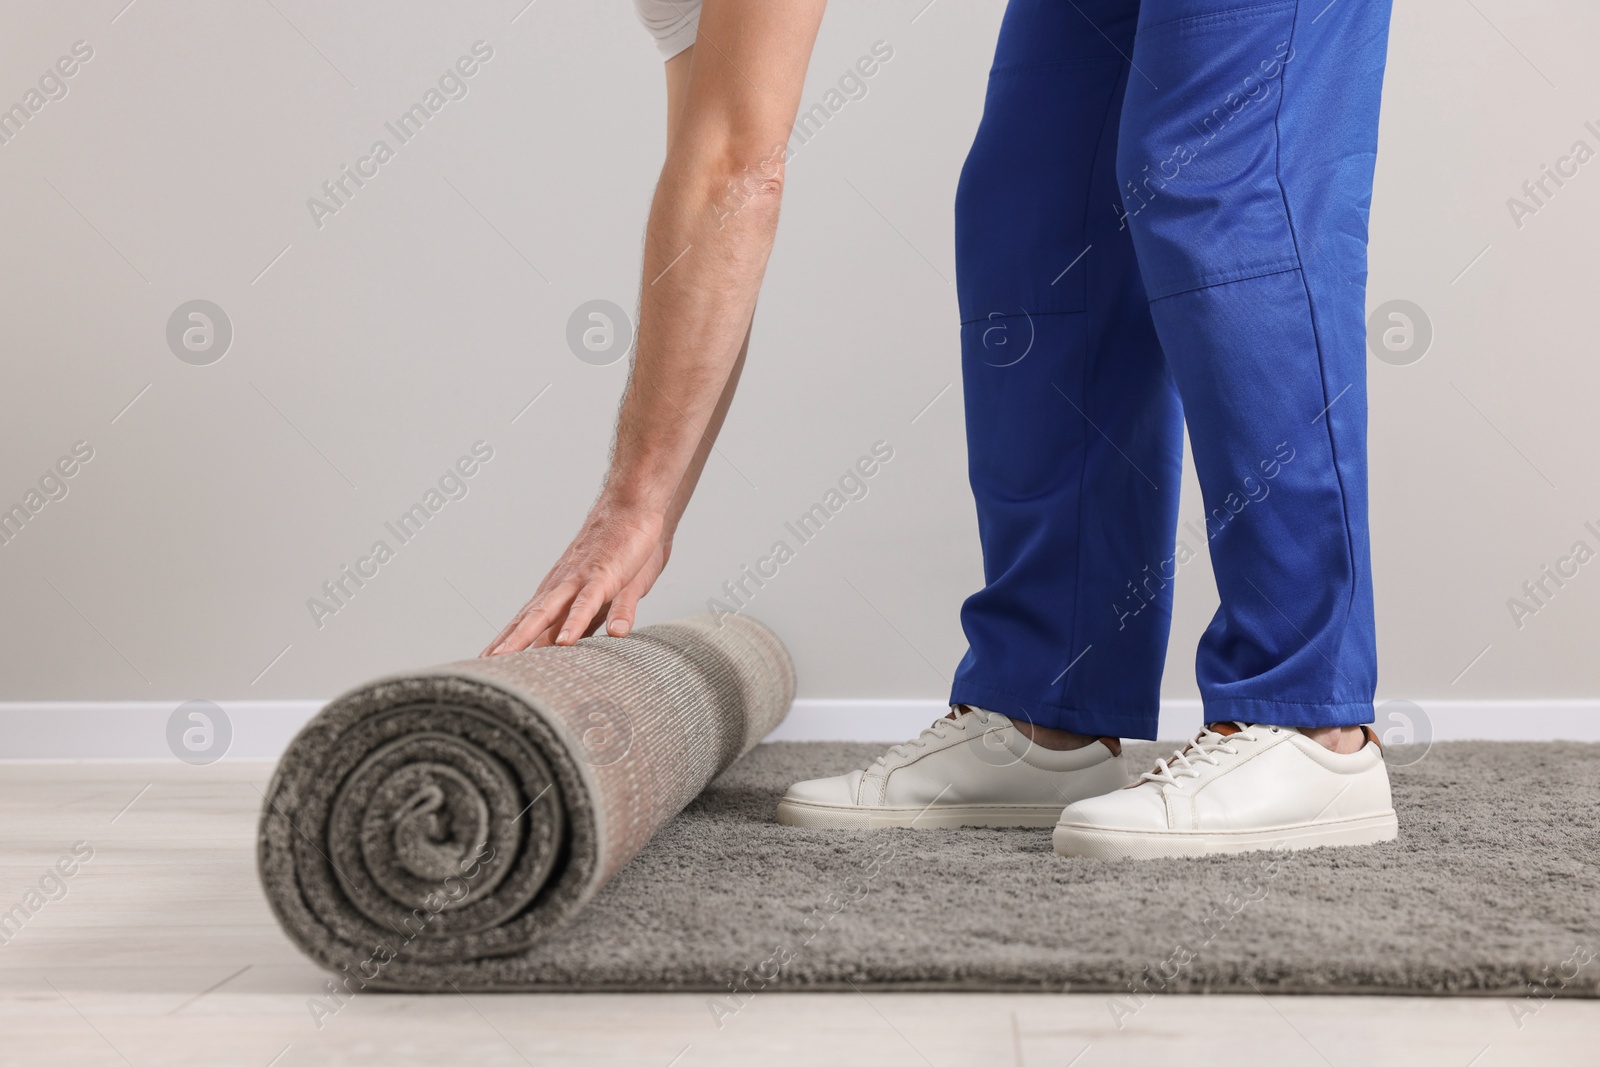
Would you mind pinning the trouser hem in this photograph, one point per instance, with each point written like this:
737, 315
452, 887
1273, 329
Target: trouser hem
1287, 712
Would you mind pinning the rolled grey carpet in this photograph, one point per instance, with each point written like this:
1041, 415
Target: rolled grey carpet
427, 830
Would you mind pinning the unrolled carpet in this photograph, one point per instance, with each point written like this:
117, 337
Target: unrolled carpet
430, 829
1493, 884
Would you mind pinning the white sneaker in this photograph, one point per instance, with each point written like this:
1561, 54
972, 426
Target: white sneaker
974, 770
1236, 788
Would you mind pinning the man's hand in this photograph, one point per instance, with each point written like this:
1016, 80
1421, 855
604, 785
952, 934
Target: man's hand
615, 559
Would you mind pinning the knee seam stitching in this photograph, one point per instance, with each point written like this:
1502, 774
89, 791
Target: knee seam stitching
1287, 267
1025, 315
1236, 14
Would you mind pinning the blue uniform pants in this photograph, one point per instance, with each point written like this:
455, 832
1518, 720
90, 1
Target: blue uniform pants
1163, 220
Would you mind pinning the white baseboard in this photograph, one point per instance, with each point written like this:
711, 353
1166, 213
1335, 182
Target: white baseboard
137, 729
261, 729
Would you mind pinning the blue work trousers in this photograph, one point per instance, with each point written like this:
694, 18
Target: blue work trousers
1163, 221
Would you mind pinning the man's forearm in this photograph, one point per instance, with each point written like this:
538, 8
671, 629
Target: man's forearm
702, 452
711, 230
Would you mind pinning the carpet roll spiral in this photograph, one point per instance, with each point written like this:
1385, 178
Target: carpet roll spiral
428, 830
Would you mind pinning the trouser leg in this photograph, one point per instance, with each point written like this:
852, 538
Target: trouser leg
1246, 157
1073, 424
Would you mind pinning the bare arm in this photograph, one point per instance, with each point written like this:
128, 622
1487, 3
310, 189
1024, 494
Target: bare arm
679, 68
711, 228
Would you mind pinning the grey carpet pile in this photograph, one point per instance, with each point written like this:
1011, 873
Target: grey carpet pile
432, 828
1492, 884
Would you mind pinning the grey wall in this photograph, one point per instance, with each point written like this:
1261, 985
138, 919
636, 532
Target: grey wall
371, 352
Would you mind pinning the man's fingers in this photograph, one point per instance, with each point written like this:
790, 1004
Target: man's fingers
619, 621
499, 639
585, 606
510, 628
568, 608
516, 637
547, 636
538, 616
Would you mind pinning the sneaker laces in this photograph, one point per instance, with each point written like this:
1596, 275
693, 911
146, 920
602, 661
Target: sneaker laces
940, 729
1186, 762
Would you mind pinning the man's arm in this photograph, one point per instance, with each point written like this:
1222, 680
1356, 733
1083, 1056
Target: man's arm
711, 228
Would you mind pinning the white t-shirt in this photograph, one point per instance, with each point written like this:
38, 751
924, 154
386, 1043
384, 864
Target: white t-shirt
673, 23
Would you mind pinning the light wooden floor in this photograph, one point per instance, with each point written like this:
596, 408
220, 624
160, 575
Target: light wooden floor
162, 951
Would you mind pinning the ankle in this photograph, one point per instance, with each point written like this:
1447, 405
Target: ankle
1046, 736
1341, 739
1063, 740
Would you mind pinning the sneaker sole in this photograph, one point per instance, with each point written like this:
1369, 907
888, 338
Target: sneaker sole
1098, 843
812, 816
